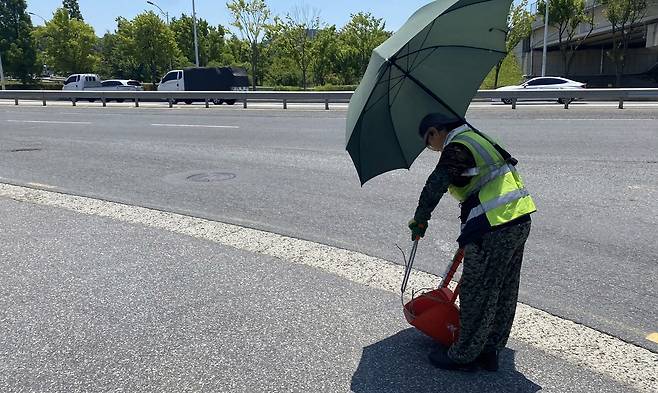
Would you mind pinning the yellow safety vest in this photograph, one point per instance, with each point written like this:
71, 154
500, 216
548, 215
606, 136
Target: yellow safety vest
502, 197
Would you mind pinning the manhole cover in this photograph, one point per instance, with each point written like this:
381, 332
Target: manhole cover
24, 150
211, 177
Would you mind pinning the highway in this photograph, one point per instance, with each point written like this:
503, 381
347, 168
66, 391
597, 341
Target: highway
592, 257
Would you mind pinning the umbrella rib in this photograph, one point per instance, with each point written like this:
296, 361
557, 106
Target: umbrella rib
431, 26
395, 97
391, 117
429, 92
421, 62
397, 77
358, 121
408, 48
450, 46
463, 6
392, 101
380, 80
400, 80
427, 35
413, 63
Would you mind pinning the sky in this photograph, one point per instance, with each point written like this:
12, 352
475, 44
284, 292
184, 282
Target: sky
101, 14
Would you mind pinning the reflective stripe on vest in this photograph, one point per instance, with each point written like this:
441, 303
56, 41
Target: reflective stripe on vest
477, 146
492, 169
496, 184
484, 207
502, 171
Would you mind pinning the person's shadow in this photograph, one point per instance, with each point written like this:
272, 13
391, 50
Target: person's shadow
399, 364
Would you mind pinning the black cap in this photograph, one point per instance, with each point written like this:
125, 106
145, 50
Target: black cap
438, 120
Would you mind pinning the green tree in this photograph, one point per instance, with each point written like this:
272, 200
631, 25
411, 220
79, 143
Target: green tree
73, 8
282, 71
519, 27
324, 57
294, 35
115, 63
217, 50
237, 51
183, 29
69, 44
118, 59
153, 46
17, 45
362, 34
250, 17
211, 40
143, 48
40, 46
624, 16
566, 16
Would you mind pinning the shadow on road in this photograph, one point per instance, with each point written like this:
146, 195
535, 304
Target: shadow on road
399, 364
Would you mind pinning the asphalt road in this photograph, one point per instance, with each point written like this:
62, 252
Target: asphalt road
592, 256
93, 304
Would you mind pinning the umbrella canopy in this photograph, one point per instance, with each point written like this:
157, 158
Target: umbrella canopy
435, 63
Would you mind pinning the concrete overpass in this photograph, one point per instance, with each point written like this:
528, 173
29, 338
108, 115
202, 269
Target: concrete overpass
592, 62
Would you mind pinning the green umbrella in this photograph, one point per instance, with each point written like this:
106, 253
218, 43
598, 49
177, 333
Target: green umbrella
435, 63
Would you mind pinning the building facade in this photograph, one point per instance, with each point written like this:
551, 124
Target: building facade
592, 62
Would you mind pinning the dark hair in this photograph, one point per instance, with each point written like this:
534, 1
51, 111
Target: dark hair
439, 121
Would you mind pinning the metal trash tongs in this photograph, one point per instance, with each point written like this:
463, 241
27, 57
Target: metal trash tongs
408, 265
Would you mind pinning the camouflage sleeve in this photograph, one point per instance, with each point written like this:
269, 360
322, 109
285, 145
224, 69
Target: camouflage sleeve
436, 185
454, 160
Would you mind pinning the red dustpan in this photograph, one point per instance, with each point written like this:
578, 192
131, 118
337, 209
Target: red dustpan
435, 312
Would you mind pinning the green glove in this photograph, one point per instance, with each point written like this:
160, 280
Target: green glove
418, 229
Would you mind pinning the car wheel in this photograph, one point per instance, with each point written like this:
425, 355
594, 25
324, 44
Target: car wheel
218, 102
230, 102
188, 102
507, 101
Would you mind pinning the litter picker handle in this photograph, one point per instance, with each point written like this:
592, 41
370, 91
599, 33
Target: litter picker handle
408, 265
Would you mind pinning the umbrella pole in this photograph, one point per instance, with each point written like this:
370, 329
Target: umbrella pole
426, 90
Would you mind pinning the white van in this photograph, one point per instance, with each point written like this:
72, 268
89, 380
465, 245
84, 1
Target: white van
82, 82
172, 81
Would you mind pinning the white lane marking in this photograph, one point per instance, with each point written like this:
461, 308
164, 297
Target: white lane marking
580, 105
579, 345
41, 185
49, 122
192, 126
593, 119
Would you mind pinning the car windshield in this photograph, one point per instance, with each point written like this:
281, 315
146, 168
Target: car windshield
133, 83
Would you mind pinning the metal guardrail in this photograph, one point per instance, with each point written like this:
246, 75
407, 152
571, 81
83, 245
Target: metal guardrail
511, 96
568, 95
173, 97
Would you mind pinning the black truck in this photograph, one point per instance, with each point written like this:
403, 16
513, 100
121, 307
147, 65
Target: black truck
206, 79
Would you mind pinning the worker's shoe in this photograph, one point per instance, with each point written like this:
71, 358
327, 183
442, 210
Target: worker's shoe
440, 359
488, 361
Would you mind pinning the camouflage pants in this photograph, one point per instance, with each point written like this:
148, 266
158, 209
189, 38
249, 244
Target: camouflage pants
489, 292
